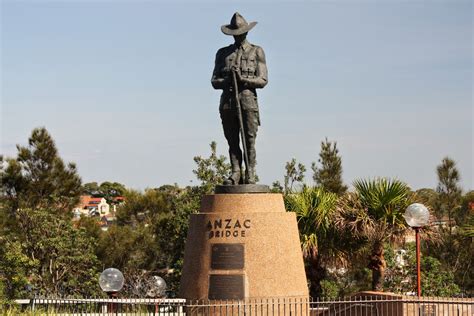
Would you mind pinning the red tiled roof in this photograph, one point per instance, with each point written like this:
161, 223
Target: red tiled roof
90, 201
85, 199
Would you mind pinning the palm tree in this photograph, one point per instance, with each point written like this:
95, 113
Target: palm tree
323, 243
378, 210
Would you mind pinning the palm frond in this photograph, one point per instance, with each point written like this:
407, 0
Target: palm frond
315, 212
384, 200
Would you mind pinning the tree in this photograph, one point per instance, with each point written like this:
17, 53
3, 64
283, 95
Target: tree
39, 242
53, 256
449, 192
294, 174
465, 247
111, 190
211, 171
456, 247
455, 252
107, 190
15, 269
171, 231
91, 188
426, 196
324, 243
383, 202
142, 207
329, 175
133, 244
438, 281
38, 178
276, 187
401, 273
466, 211
129, 249
90, 225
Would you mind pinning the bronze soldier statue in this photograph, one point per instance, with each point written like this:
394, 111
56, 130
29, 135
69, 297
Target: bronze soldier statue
239, 70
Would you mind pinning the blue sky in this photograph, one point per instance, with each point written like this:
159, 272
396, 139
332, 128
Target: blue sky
124, 86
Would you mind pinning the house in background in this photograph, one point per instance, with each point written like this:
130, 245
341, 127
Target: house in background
90, 206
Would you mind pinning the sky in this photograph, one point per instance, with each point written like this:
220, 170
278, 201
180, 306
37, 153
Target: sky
124, 86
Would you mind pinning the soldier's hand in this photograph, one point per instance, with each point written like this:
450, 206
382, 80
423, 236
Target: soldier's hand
236, 70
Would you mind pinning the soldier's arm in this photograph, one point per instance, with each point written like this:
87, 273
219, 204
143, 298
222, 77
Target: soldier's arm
261, 79
217, 81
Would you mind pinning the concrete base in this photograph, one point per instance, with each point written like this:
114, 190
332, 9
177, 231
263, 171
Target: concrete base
243, 246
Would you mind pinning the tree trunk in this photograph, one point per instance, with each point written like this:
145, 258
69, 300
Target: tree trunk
316, 273
377, 264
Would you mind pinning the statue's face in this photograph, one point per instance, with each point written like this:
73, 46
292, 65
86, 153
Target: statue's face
240, 38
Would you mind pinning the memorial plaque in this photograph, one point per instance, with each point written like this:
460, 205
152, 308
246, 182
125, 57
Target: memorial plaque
227, 256
226, 287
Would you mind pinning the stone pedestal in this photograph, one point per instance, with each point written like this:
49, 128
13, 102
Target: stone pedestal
243, 246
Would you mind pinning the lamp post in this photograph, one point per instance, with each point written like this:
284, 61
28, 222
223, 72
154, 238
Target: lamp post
417, 216
111, 282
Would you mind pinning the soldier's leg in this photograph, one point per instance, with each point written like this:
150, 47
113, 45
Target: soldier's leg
251, 123
230, 124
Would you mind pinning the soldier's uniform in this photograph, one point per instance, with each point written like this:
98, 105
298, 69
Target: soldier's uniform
248, 61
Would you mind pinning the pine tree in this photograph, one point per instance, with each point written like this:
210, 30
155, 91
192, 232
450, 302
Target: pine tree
449, 191
329, 175
38, 178
39, 245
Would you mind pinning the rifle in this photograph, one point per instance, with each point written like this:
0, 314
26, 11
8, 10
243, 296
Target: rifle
241, 123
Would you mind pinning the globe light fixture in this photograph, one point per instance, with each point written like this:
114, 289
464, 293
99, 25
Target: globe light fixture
156, 287
417, 216
111, 281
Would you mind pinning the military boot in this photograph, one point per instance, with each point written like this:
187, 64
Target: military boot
250, 175
234, 179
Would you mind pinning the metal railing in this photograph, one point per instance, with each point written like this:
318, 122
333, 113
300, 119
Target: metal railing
393, 305
359, 305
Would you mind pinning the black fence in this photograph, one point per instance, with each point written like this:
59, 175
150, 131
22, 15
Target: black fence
363, 305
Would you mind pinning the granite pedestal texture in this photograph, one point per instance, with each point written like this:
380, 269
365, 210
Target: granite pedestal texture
241, 247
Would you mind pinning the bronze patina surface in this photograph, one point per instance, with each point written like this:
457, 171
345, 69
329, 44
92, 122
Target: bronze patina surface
242, 188
239, 70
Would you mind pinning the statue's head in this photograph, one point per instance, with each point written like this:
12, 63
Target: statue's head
240, 38
238, 26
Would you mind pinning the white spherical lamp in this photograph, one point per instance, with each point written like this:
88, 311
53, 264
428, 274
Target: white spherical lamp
156, 287
417, 215
111, 280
